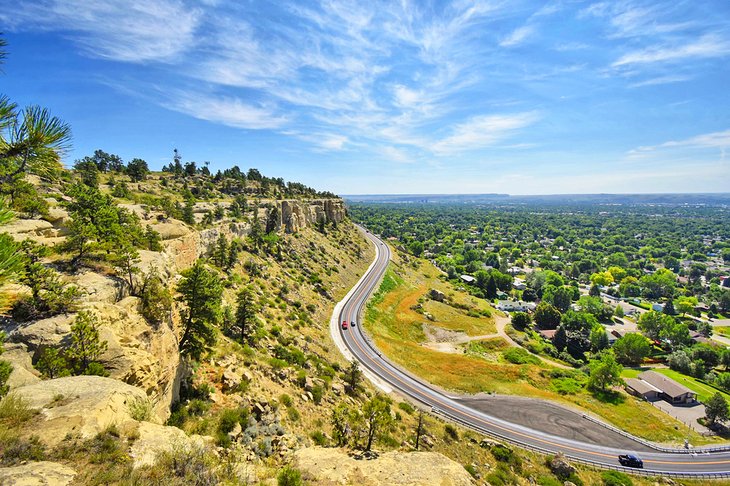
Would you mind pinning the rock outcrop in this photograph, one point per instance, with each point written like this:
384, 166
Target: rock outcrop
297, 214
41, 473
78, 405
333, 466
155, 439
23, 372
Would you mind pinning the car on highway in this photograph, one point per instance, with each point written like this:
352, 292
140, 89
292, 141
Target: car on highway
344, 324
630, 460
352, 323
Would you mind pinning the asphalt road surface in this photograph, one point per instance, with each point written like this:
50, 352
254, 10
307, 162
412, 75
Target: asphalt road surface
589, 446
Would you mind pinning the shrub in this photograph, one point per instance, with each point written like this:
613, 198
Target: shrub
285, 400
406, 407
16, 450
566, 386
616, 478
14, 410
229, 417
293, 414
317, 394
319, 438
451, 432
107, 447
289, 476
471, 470
501, 476
520, 356
140, 409
548, 481
156, 298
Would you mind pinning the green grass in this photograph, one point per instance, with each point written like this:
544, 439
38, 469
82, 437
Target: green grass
722, 331
703, 390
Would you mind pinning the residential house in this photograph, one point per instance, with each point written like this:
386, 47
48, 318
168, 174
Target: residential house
515, 306
671, 391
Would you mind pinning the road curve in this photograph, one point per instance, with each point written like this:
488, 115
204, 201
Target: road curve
698, 463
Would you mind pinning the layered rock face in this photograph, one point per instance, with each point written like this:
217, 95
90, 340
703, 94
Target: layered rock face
296, 214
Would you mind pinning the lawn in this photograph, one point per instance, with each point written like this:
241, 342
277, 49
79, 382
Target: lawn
703, 390
722, 331
397, 330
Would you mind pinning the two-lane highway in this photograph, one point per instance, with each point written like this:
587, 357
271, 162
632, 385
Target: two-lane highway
354, 338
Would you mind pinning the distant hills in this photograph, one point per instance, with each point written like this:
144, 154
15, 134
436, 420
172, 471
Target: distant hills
710, 199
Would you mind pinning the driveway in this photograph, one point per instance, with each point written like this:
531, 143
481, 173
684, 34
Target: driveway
685, 414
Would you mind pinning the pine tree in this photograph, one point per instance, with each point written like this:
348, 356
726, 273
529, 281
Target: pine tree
52, 363
200, 293
86, 347
716, 409
353, 376
246, 314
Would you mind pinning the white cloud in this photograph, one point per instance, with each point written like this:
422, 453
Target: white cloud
661, 80
517, 36
707, 46
483, 131
130, 31
714, 140
229, 111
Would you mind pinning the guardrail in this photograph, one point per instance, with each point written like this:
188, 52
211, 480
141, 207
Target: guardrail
660, 448
587, 462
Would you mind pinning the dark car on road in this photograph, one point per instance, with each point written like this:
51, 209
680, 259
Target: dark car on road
630, 460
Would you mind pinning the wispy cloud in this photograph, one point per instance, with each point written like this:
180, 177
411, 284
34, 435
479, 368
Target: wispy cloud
661, 80
706, 140
483, 131
709, 45
517, 36
229, 111
130, 31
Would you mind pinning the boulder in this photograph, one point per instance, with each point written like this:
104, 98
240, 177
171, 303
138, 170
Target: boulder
155, 439
436, 295
23, 371
78, 405
171, 229
37, 474
20, 229
560, 466
100, 288
54, 331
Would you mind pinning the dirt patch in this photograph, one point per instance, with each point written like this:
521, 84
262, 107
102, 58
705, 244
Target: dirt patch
435, 334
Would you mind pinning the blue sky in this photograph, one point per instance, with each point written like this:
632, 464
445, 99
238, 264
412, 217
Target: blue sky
391, 97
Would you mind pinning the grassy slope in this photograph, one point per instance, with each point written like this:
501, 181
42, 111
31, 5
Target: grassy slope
397, 330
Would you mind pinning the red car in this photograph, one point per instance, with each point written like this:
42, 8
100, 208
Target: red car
344, 324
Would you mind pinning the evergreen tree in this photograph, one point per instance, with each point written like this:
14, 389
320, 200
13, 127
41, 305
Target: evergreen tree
491, 288
188, 215
595, 291
86, 347
200, 293
11, 261
353, 377
125, 259
669, 308
560, 338
156, 298
220, 251
246, 314
52, 363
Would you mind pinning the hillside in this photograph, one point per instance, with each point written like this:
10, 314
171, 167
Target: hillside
107, 387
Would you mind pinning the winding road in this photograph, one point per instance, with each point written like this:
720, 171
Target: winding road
355, 344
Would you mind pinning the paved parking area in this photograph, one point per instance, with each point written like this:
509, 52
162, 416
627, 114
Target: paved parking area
685, 414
